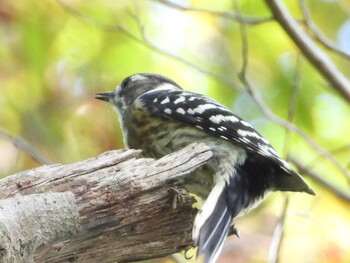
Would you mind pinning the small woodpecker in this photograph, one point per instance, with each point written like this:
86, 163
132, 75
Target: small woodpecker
159, 117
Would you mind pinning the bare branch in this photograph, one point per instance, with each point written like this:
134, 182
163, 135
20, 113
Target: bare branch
245, 44
232, 16
293, 101
311, 51
338, 150
318, 35
24, 146
278, 234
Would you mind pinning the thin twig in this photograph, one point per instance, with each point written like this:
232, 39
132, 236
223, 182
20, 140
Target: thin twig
318, 34
24, 146
232, 16
312, 52
245, 43
278, 234
338, 150
293, 102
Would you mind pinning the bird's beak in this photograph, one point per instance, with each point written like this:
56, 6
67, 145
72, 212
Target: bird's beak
105, 96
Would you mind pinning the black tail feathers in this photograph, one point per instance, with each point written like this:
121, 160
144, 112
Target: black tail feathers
292, 182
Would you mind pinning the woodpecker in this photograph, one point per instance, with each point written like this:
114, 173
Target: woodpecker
159, 117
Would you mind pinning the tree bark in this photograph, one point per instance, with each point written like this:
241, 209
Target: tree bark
111, 208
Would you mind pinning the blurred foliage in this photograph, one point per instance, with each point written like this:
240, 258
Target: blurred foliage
52, 61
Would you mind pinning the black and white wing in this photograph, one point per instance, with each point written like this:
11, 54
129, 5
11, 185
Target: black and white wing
210, 116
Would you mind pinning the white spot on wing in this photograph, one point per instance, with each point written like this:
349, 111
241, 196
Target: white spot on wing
224, 137
166, 100
246, 124
245, 133
199, 127
217, 119
201, 108
168, 111
190, 111
180, 111
155, 100
180, 99
212, 129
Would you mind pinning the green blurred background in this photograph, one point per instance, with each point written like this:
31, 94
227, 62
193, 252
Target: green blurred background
55, 55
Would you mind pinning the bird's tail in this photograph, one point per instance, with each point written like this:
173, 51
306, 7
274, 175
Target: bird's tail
213, 222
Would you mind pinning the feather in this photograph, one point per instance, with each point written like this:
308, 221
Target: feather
212, 224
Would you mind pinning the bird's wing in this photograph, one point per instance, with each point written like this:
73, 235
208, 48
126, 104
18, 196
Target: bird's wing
210, 116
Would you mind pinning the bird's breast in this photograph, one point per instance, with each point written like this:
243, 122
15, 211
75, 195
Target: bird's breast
157, 136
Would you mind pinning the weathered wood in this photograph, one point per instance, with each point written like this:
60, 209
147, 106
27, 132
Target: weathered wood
124, 204
30, 221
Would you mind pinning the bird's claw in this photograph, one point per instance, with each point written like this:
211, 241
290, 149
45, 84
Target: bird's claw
234, 231
176, 197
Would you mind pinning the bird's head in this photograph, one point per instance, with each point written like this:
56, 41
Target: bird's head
132, 87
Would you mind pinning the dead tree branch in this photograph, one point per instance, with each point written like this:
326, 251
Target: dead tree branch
24, 146
229, 15
119, 208
310, 50
318, 34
